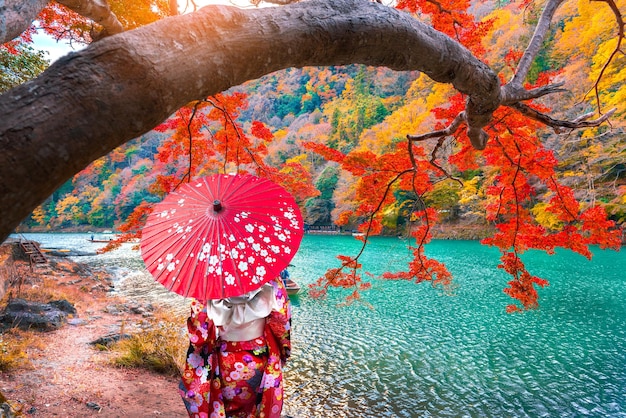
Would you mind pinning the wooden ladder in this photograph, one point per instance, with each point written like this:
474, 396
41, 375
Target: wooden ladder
34, 252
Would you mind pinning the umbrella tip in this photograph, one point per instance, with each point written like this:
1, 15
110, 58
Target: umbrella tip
217, 205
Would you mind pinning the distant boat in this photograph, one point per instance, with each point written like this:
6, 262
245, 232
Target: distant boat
111, 239
292, 287
94, 239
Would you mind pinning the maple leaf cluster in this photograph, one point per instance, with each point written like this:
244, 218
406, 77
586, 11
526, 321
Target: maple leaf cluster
204, 138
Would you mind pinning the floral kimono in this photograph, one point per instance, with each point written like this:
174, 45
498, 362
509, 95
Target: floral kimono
241, 379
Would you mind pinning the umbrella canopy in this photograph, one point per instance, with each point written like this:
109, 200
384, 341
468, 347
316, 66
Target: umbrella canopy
221, 236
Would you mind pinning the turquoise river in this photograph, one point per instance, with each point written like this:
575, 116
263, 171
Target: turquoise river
411, 351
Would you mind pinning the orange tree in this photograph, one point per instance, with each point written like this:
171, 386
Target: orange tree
124, 85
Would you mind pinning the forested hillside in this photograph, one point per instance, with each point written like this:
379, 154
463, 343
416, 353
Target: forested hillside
283, 117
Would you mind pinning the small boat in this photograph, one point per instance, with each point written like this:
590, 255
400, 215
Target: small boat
292, 287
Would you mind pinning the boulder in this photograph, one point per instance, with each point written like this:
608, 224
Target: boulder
36, 315
110, 339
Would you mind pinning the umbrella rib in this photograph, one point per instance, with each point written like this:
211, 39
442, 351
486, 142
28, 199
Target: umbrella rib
157, 244
203, 226
178, 247
237, 238
247, 191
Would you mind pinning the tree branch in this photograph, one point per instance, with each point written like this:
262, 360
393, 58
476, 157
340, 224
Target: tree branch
433, 162
511, 95
580, 122
98, 11
535, 44
620, 37
449, 130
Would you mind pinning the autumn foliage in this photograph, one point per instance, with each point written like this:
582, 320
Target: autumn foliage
522, 169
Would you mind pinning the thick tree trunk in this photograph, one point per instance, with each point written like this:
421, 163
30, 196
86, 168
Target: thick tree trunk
16, 16
90, 102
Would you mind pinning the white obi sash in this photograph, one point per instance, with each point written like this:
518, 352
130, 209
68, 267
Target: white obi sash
242, 318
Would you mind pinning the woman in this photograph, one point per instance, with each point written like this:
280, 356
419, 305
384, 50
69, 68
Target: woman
238, 347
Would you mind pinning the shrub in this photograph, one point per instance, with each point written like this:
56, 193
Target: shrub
161, 348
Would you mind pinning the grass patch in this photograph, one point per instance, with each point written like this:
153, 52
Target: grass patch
14, 344
161, 348
47, 290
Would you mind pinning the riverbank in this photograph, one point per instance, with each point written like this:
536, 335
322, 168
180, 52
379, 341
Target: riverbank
66, 375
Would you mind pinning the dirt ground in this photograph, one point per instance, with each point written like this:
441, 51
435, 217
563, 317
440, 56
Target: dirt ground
69, 377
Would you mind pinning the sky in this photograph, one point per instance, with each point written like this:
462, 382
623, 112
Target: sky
53, 49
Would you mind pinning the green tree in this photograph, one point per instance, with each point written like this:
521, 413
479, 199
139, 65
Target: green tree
21, 66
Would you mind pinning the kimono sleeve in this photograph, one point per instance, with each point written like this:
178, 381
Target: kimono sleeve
199, 384
279, 320
200, 328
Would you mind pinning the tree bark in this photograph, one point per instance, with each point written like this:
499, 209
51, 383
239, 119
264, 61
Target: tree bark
16, 16
89, 102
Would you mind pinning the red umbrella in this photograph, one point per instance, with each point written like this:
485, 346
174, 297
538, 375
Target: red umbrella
221, 236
